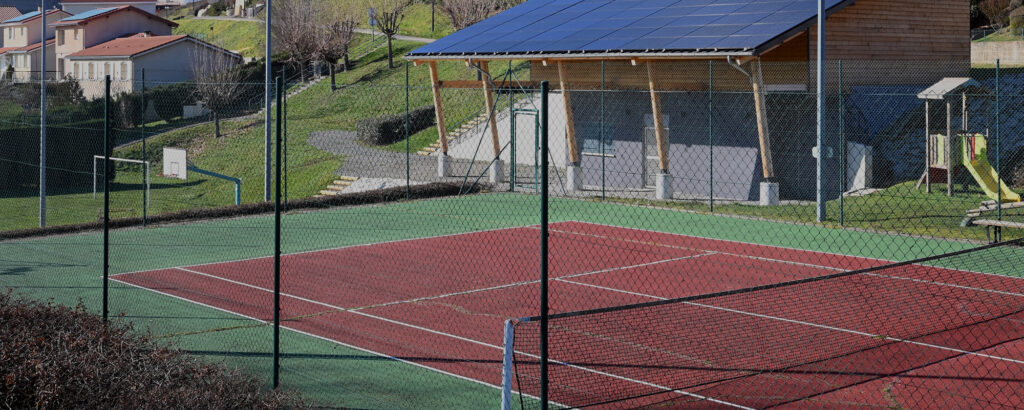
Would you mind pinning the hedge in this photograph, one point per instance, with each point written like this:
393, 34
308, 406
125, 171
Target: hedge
389, 129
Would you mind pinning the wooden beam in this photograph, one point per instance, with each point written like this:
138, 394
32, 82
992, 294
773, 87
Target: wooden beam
442, 132
570, 124
659, 126
760, 109
489, 97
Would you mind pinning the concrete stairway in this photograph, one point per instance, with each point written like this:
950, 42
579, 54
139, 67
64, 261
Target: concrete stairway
338, 186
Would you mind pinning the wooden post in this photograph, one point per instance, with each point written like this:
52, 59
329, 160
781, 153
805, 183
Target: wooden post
659, 126
442, 132
949, 147
756, 80
570, 124
485, 81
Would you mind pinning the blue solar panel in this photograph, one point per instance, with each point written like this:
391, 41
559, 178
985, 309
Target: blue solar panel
87, 14
23, 17
566, 26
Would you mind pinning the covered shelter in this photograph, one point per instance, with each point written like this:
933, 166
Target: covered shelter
754, 47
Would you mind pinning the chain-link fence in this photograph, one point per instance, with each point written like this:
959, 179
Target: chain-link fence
684, 239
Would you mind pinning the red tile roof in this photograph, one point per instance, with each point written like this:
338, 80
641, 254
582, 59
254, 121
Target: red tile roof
31, 47
126, 46
6, 49
69, 22
7, 13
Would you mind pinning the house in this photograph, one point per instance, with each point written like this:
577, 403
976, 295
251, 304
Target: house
165, 59
6, 13
22, 42
80, 31
28, 6
82, 6
662, 128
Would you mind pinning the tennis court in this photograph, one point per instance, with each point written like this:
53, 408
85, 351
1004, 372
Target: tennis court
412, 301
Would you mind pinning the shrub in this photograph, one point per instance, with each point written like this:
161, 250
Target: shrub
169, 100
60, 357
389, 129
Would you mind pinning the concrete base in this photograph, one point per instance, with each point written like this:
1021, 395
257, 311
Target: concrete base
663, 186
769, 194
443, 168
573, 178
496, 174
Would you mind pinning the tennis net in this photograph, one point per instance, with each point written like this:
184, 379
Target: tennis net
919, 333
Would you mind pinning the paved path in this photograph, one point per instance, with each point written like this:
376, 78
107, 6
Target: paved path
225, 18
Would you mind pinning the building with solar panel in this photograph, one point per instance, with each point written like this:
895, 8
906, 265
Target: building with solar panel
697, 98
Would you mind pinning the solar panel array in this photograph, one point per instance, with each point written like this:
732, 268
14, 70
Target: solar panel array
87, 14
22, 17
570, 26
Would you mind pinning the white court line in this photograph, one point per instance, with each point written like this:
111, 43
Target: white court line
465, 339
350, 346
800, 322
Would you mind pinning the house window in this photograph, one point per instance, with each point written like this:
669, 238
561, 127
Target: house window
106, 69
124, 71
60, 38
594, 144
76, 36
76, 70
92, 75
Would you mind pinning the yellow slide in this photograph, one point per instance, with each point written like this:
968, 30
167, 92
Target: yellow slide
976, 161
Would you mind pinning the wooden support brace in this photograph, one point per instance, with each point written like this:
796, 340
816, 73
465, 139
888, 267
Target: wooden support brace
659, 126
570, 124
756, 81
489, 98
442, 132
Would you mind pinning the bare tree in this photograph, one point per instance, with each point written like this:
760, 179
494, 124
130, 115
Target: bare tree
465, 13
997, 11
335, 31
389, 17
294, 31
216, 82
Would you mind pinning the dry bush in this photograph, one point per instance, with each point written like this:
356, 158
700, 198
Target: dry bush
58, 357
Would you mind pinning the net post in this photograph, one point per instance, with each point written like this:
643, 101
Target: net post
507, 360
544, 92
106, 195
277, 242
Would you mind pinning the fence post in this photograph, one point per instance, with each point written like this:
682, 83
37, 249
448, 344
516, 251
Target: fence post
544, 91
283, 115
408, 193
999, 169
277, 244
106, 195
603, 153
711, 136
842, 151
145, 157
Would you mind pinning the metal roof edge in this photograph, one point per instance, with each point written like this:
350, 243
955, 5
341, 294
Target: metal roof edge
788, 34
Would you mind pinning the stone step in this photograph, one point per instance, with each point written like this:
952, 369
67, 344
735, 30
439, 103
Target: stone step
328, 193
347, 178
341, 183
336, 188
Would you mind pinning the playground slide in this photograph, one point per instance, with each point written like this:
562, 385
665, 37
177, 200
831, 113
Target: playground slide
976, 161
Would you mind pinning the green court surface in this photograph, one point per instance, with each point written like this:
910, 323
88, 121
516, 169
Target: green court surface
67, 269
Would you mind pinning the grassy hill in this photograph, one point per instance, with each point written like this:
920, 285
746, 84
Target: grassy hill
244, 37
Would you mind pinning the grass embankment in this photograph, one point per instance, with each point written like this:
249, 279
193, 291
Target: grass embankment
244, 37
901, 209
368, 90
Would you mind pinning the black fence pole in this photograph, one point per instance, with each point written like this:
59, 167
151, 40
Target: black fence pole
544, 91
408, 176
145, 157
277, 243
106, 195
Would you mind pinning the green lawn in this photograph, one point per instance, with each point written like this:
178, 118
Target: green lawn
244, 37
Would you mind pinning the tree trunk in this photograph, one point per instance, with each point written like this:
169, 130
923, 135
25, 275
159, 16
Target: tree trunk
331, 67
216, 125
344, 63
391, 60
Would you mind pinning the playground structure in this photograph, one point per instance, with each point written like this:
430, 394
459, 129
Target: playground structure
176, 165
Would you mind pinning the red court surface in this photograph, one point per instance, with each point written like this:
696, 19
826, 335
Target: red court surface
441, 302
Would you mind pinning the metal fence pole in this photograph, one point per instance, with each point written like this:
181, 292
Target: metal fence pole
277, 244
711, 136
268, 97
283, 115
544, 91
842, 150
999, 169
42, 119
603, 136
408, 176
820, 163
106, 195
145, 192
